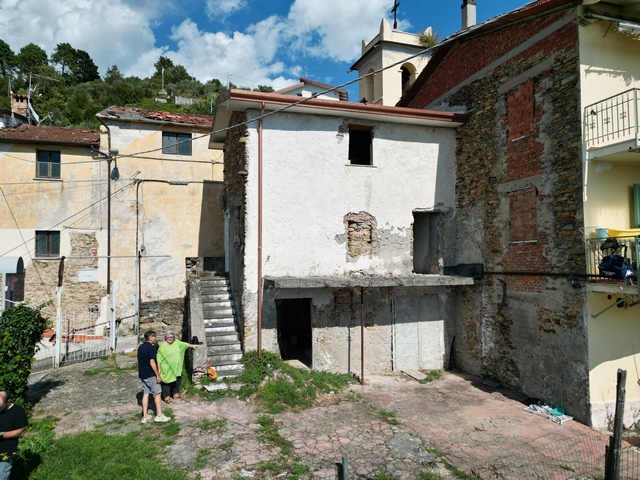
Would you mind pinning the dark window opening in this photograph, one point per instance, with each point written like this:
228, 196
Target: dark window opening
360, 143
47, 164
176, 143
426, 254
47, 244
294, 329
406, 78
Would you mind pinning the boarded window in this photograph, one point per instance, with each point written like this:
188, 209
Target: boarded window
521, 110
523, 211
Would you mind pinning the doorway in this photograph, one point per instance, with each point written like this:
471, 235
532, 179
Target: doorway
294, 329
425, 242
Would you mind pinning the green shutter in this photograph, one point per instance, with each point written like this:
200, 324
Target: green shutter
636, 203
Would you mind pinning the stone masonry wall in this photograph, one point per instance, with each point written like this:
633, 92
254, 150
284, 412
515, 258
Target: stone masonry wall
519, 209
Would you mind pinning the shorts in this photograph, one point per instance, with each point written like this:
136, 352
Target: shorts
150, 385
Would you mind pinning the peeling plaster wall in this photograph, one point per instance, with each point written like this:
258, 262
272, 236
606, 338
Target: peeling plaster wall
396, 321
308, 189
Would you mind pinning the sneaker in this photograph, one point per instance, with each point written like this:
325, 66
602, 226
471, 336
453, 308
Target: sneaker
162, 418
146, 419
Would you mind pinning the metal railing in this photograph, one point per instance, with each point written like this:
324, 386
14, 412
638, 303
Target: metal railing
629, 247
612, 120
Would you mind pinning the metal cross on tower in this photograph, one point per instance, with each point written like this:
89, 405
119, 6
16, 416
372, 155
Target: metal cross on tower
394, 10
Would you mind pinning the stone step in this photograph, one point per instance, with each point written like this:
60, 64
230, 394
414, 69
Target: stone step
214, 282
226, 369
224, 358
219, 338
217, 318
219, 327
212, 289
223, 348
211, 312
216, 297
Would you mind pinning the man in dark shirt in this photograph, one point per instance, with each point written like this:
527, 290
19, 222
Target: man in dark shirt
13, 421
150, 377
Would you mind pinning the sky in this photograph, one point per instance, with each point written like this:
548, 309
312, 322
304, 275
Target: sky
246, 42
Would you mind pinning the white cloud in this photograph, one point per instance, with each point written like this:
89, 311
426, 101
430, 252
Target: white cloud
224, 7
248, 59
334, 28
115, 32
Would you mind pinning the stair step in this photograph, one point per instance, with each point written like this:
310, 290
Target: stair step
223, 348
213, 281
225, 358
211, 312
216, 297
222, 327
219, 338
215, 318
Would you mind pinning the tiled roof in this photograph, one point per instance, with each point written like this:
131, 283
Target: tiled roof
59, 135
140, 114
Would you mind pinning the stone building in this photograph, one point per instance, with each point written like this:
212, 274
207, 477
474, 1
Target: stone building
546, 169
334, 211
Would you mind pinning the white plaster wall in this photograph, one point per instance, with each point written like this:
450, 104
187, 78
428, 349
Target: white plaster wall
308, 188
604, 74
608, 199
613, 344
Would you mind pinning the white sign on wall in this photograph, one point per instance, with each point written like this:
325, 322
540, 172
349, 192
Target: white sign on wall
88, 275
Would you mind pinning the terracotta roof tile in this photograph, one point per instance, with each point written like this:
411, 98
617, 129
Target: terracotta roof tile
156, 115
40, 134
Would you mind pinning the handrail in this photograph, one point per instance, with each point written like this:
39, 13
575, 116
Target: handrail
611, 120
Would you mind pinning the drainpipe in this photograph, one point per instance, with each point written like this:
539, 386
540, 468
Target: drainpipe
260, 229
108, 206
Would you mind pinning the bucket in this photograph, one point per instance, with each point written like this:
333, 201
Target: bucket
602, 234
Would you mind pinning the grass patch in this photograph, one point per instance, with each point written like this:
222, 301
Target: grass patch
567, 468
201, 459
386, 416
104, 457
226, 445
206, 424
432, 375
171, 429
429, 476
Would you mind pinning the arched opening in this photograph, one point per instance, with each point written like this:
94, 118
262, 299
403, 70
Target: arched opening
368, 87
408, 73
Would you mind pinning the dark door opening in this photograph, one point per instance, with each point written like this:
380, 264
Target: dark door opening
294, 329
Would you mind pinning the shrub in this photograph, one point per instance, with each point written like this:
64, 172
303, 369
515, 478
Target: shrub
21, 329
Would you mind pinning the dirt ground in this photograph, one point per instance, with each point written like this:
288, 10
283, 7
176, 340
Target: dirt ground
392, 425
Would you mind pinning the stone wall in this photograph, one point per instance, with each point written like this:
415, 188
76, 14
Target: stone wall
41, 277
164, 315
519, 207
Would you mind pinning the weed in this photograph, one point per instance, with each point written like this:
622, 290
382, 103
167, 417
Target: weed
429, 476
431, 376
567, 467
206, 424
382, 476
201, 459
226, 445
386, 416
461, 474
298, 469
171, 429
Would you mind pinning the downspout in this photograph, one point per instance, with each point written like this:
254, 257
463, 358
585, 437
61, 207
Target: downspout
260, 229
108, 205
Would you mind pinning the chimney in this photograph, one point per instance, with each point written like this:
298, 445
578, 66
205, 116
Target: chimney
19, 104
468, 13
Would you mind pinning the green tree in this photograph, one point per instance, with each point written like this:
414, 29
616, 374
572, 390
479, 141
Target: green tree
31, 58
21, 329
7, 58
65, 56
84, 69
163, 63
113, 75
264, 88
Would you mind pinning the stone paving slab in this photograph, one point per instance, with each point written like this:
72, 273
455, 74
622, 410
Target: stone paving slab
475, 427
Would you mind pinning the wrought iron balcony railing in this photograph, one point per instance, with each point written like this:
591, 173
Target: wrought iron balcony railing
598, 248
612, 120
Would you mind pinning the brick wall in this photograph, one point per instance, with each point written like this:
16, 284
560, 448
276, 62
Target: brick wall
519, 209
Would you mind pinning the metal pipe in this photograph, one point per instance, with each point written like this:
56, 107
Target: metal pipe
260, 229
109, 158
362, 335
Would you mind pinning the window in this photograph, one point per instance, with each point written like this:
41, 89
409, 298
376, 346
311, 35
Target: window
176, 143
47, 164
360, 141
47, 244
521, 110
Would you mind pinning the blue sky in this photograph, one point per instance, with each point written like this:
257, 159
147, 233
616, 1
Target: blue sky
249, 42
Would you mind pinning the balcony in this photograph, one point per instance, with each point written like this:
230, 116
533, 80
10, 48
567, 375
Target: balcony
611, 128
601, 243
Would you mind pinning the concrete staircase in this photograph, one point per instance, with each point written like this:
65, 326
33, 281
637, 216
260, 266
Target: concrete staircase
224, 350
